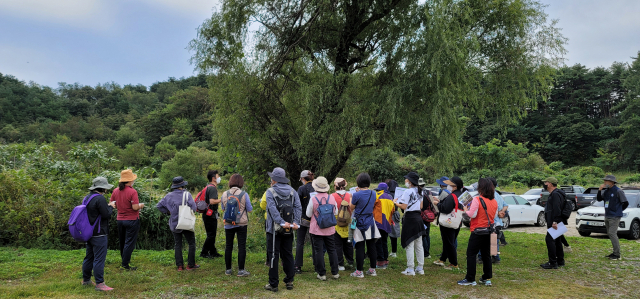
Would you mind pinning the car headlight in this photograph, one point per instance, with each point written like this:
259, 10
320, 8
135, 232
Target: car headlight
579, 213
625, 214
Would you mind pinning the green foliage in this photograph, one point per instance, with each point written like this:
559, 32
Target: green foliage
633, 178
136, 154
192, 164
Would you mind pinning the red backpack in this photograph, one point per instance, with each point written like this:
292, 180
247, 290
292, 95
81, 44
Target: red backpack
201, 203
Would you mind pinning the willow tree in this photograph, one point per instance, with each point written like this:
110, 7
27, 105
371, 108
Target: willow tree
303, 84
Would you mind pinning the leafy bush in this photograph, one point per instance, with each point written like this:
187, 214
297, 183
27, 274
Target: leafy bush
633, 179
192, 164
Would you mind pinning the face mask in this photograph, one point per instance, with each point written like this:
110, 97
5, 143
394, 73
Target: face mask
407, 185
450, 188
218, 180
544, 187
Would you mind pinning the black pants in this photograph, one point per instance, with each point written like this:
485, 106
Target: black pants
501, 238
371, 251
177, 247
230, 234
344, 249
95, 258
449, 236
382, 249
394, 244
564, 241
211, 226
555, 250
301, 235
426, 241
482, 244
327, 242
283, 249
128, 235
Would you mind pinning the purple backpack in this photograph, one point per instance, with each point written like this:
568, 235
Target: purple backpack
79, 226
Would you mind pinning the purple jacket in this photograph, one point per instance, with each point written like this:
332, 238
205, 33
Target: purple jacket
171, 203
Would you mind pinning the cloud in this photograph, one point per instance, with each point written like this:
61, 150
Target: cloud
94, 14
191, 8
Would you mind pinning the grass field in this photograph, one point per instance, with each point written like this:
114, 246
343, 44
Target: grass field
51, 273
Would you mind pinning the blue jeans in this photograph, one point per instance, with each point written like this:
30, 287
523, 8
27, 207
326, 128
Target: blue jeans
94, 259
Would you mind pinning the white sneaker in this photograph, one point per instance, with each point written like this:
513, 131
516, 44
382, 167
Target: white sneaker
323, 278
341, 268
409, 271
438, 262
420, 270
335, 276
393, 254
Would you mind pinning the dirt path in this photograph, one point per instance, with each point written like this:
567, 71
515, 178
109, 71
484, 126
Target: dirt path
571, 226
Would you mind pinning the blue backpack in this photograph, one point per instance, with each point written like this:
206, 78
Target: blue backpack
231, 209
326, 218
79, 225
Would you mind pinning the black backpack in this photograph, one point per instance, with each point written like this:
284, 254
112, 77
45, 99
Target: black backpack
285, 207
566, 210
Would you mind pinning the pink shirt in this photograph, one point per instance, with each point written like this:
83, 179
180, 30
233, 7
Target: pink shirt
312, 211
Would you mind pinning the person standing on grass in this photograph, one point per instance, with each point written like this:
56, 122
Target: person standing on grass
282, 243
615, 202
344, 248
322, 237
394, 234
426, 238
553, 215
128, 206
304, 191
366, 231
97, 209
449, 236
383, 214
237, 227
483, 211
211, 221
502, 209
170, 204
412, 227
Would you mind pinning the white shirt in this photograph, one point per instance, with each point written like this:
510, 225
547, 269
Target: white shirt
412, 199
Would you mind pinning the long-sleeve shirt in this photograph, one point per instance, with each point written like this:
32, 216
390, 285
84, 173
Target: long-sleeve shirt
98, 207
171, 204
273, 215
553, 208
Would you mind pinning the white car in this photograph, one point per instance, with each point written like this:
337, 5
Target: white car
532, 195
591, 219
522, 211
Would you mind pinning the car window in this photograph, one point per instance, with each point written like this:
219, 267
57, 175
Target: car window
509, 200
521, 201
533, 192
591, 191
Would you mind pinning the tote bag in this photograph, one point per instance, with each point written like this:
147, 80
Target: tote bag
186, 217
453, 219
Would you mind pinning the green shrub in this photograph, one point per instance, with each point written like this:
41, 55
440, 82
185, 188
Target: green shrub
633, 179
192, 164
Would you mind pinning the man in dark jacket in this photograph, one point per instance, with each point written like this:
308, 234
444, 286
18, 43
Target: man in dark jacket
304, 193
615, 201
553, 215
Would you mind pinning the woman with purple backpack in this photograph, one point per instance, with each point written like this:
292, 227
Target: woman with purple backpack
97, 211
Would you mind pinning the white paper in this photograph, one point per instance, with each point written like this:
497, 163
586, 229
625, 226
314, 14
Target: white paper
352, 190
400, 191
313, 194
555, 233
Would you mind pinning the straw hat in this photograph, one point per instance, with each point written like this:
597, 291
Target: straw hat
127, 175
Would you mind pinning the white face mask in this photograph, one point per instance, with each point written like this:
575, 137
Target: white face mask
406, 184
218, 180
450, 188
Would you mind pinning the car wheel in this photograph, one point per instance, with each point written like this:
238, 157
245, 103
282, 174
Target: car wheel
573, 205
584, 234
634, 230
541, 220
505, 222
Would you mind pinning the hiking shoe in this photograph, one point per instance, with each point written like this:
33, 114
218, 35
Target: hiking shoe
89, 283
428, 256
420, 270
486, 282
549, 266
372, 272
608, 256
438, 262
568, 249
216, 255
180, 268
243, 273
504, 244
358, 274
381, 265
452, 267
103, 287
128, 268
289, 285
393, 254
229, 272
465, 282
298, 271
341, 268
193, 267
322, 277
335, 276
268, 287
614, 257
409, 271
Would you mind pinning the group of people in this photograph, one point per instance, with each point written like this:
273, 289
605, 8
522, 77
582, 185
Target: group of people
338, 224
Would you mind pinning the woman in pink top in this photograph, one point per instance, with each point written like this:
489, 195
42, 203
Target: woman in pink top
322, 237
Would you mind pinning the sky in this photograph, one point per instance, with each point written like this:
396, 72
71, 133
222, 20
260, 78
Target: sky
144, 41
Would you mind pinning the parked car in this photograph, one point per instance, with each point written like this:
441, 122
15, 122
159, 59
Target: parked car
587, 198
520, 212
570, 195
591, 219
532, 195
